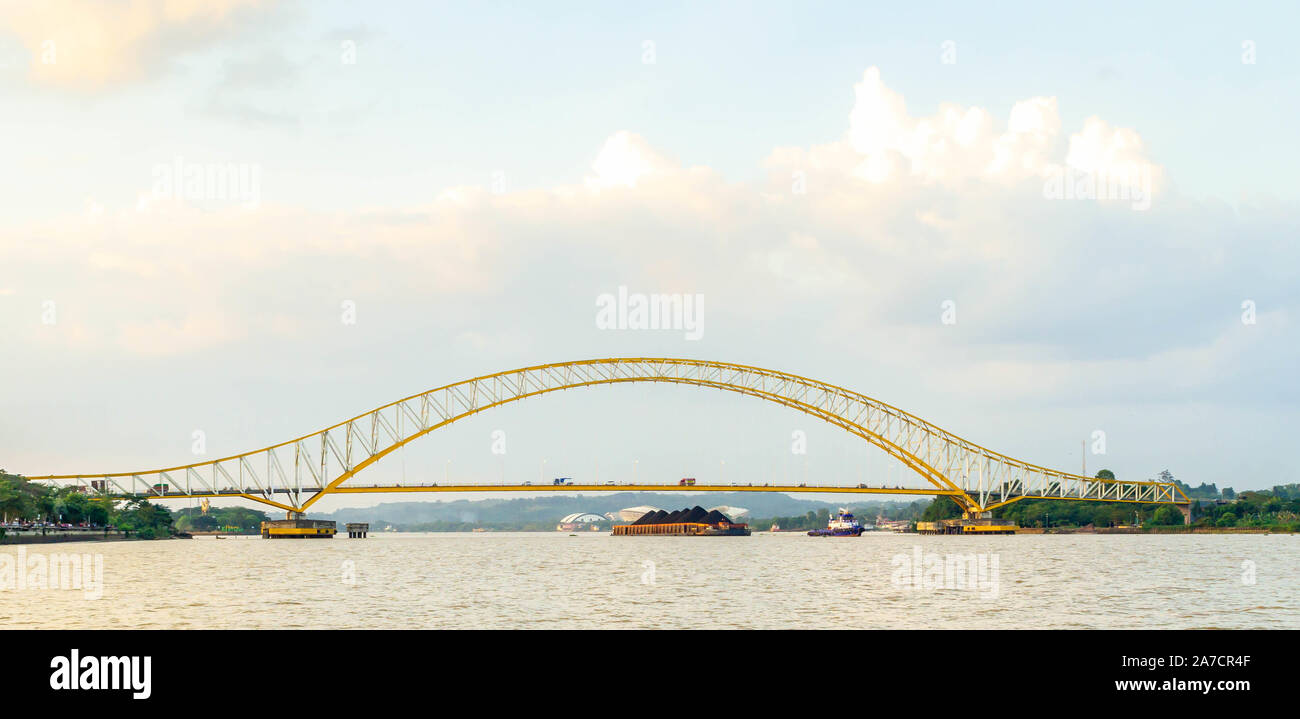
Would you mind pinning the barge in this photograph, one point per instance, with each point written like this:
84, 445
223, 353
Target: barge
693, 522
968, 527
299, 529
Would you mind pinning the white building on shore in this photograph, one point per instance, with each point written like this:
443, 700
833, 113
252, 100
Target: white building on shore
631, 514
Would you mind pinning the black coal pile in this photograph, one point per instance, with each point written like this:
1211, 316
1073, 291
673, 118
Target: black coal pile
694, 515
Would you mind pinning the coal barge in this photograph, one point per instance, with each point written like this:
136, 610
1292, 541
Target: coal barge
693, 522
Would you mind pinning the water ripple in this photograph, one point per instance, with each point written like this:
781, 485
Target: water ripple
542, 580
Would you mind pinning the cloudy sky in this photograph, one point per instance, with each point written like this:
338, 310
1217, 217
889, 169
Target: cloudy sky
255, 219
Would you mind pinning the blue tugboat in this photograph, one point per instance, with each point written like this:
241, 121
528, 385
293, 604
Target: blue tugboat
843, 526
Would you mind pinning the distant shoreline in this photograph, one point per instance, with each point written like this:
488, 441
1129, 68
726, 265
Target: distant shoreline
1022, 530
1156, 530
28, 537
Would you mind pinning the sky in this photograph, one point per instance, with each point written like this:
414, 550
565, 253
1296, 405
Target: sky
254, 219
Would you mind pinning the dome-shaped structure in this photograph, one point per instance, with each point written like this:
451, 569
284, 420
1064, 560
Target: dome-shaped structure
631, 514
734, 513
582, 518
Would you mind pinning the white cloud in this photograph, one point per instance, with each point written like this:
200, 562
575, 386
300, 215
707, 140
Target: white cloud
885, 144
625, 159
1100, 147
85, 44
1032, 129
900, 215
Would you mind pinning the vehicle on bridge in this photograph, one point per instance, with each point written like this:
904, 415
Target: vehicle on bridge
687, 482
562, 480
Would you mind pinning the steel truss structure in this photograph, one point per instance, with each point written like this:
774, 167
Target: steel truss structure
295, 474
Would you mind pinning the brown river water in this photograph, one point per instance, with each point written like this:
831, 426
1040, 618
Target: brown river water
553, 580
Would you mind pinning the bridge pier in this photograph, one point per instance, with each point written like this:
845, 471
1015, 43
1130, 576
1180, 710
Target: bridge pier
1186, 509
299, 529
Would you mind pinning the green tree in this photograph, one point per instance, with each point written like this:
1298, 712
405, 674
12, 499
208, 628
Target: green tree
1105, 474
146, 520
942, 507
97, 513
13, 500
1167, 516
70, 505
24, 500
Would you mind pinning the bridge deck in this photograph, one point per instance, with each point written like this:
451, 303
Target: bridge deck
606, 487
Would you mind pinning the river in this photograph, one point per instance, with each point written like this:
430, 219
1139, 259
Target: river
787, 580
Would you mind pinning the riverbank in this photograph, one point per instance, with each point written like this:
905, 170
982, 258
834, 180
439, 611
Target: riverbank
1155, 530
62, 535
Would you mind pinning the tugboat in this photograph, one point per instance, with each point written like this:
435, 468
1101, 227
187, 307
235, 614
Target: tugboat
843, 526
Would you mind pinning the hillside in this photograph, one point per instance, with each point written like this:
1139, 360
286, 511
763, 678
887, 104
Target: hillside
552, 508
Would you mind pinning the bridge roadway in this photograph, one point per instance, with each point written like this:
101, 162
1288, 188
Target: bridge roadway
630, 487
258, 493
604, 487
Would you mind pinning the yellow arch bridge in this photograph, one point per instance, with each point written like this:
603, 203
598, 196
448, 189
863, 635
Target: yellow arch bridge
293, 475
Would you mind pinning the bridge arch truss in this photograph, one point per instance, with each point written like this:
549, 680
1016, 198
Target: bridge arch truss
295, 474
